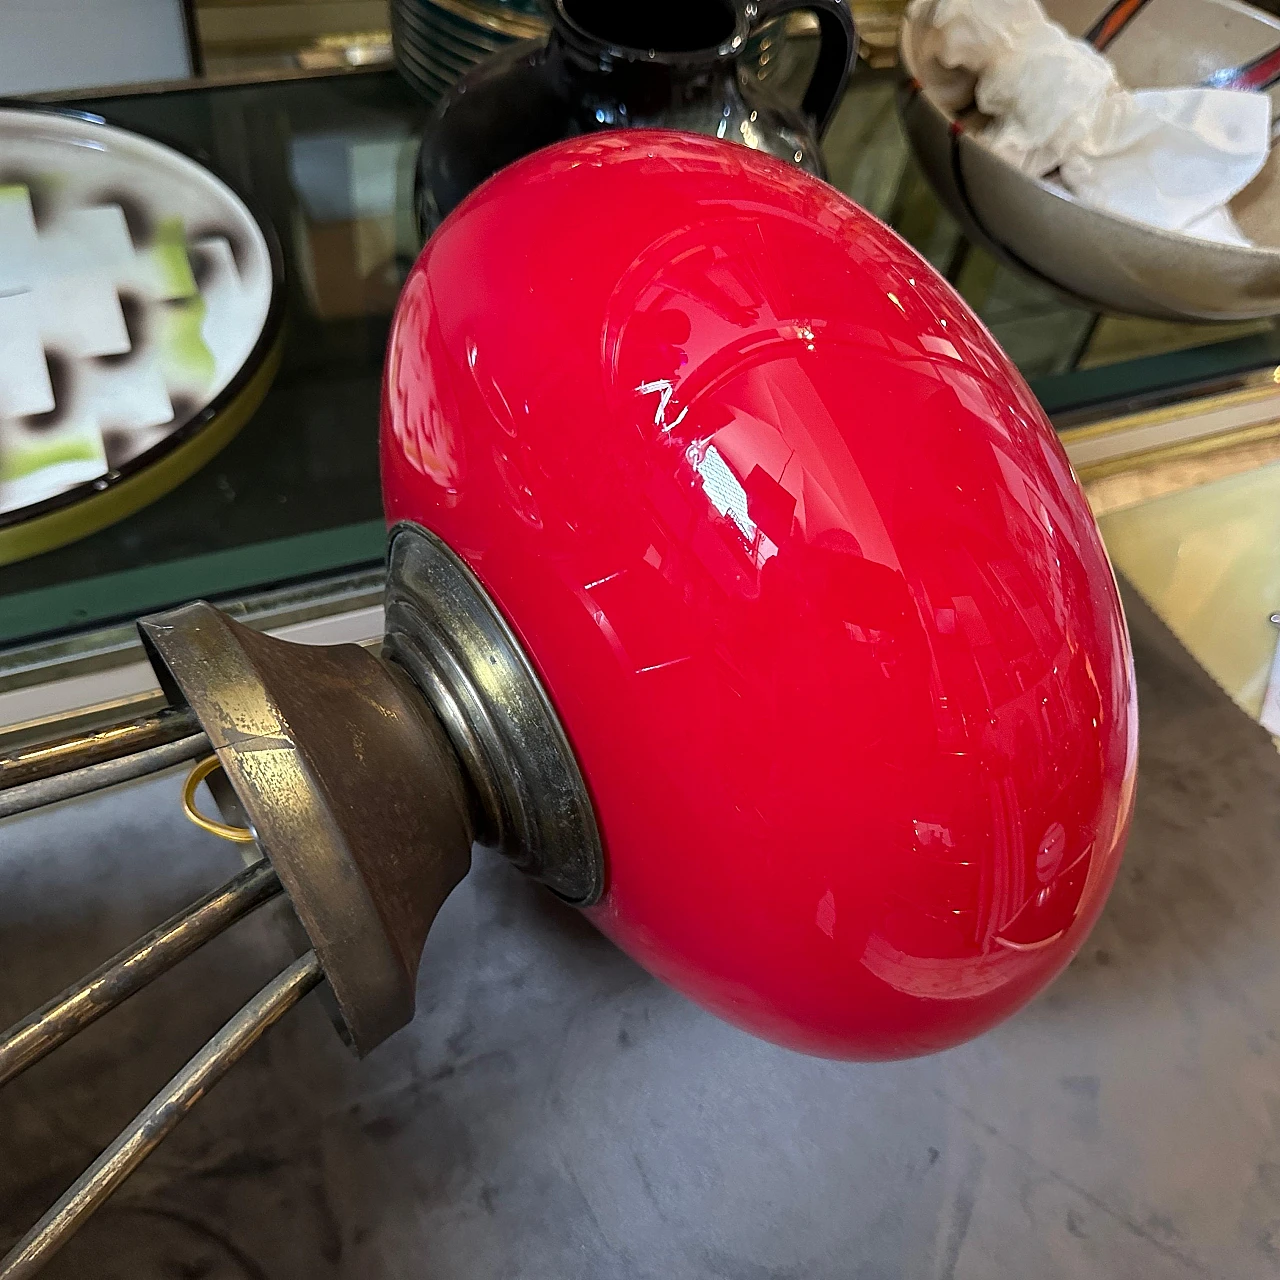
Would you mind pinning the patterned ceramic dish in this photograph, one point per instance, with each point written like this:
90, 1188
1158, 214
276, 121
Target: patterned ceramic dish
140, 308
1104, 260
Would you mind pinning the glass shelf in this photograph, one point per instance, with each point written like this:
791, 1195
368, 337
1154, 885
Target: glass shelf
294, 498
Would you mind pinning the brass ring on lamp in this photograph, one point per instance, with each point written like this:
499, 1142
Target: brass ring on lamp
201, 770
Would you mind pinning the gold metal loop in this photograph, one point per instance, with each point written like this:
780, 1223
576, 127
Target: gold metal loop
203, 768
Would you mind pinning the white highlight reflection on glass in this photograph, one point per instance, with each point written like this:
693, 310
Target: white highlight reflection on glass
726, 494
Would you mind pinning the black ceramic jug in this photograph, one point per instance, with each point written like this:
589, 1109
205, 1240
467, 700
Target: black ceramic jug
608, 64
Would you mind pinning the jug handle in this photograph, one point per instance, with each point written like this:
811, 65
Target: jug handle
837, 47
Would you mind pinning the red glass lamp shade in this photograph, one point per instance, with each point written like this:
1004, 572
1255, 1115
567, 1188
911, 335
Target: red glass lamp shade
804, 570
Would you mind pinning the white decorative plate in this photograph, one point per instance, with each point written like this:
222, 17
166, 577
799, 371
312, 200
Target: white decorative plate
139, 297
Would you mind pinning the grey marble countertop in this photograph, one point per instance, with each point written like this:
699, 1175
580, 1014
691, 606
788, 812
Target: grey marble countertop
555, 1113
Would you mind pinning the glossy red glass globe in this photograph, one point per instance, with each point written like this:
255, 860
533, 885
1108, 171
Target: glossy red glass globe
804, 569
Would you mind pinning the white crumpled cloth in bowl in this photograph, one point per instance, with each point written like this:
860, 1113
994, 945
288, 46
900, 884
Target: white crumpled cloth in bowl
1172, 158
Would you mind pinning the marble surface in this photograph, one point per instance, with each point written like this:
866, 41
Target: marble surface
554, 1113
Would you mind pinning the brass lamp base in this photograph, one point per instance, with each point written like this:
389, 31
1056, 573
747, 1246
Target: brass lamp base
363, 781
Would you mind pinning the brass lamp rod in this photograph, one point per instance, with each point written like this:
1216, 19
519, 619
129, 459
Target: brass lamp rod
159, 1118
34, 776
40, 775
133, 968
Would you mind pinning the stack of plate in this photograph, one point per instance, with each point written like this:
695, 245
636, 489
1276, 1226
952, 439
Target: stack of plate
437, 40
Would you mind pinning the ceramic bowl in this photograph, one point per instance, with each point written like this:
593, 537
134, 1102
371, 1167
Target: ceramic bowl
1104, 260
